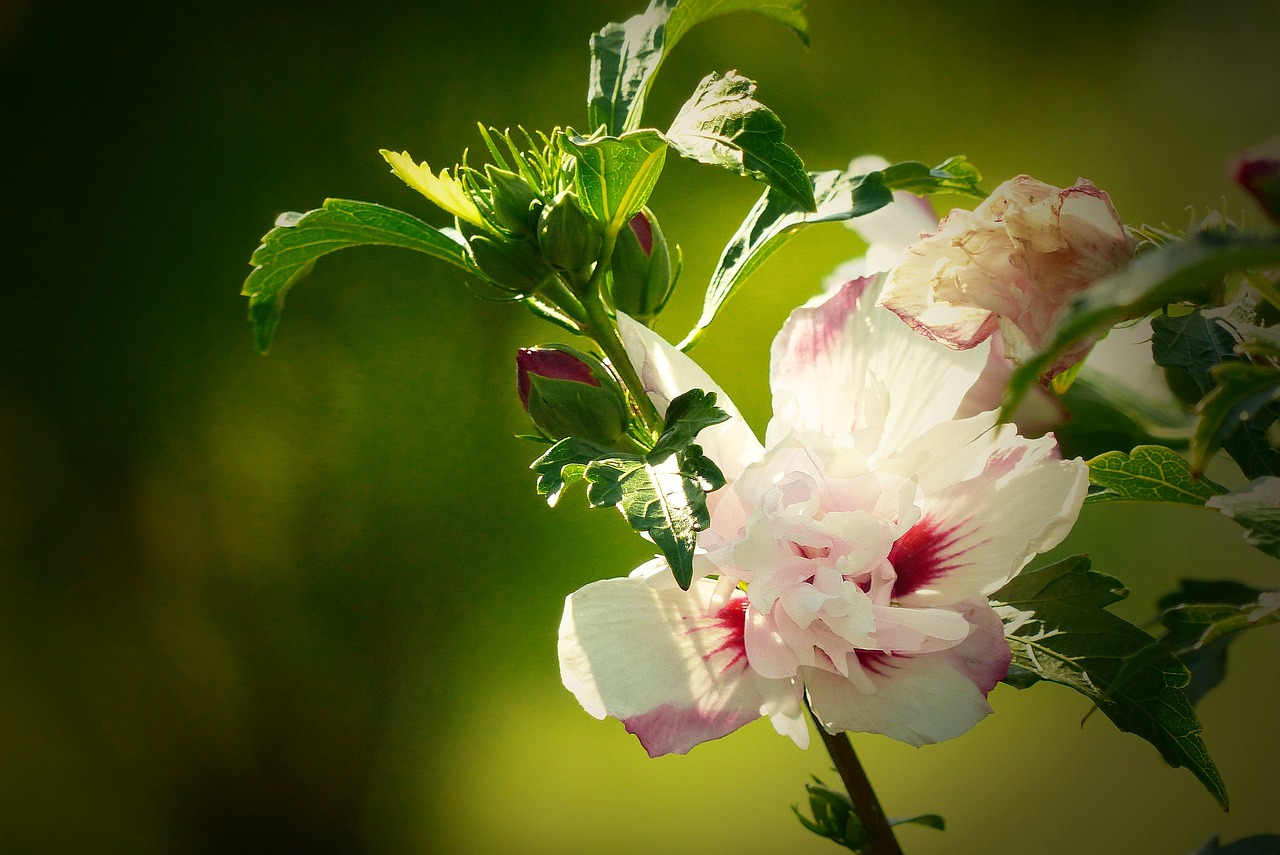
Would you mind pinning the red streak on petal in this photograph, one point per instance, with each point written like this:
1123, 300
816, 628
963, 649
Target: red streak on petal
925, 553
731, 619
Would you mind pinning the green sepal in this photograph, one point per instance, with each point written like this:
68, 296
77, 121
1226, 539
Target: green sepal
613, 176
723, 124
513, 201
568, 238
1149, 473
642, 282
1059, 631
1182, 270
563, 408
625, 57
511, 265
290, 250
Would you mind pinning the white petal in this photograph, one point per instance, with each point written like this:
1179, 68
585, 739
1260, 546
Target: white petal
979, 533
843, 363
670, 664
918, 699
668, 373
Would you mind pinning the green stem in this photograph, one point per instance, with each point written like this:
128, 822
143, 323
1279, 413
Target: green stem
881, 840
602, 326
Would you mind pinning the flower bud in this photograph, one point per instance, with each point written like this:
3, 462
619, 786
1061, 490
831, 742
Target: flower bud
570, 240
643, 278
513, 201
514, 266
568, 393
1257, 170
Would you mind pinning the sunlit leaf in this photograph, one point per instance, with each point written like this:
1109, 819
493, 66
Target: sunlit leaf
1150, 473
1257, 508
291, 249
613, 176
724, 125
1059, 630
625, 57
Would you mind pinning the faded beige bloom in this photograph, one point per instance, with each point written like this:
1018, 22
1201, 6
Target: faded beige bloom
1012, 264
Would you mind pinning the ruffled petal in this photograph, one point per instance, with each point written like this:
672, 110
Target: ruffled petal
668, 373
841, 363
977, 534
917, 699
670, 664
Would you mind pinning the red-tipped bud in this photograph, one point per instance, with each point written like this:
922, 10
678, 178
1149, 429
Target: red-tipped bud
643, 276
568, 393
1257, 170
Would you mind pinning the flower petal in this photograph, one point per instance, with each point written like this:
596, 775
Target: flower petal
842, 363
667, 373
670, 664
979, 533
918, 699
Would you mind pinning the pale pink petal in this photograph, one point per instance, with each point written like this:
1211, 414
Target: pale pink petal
670, 664
841, 364
978, 534
917, 699
1039, 410
667, 373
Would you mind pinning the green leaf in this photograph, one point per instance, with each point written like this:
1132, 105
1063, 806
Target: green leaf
835, 818
565, 464
1236, 415
613, 176
775, 219
1195, 343
1182, 270
291, 249
663, 492
1257, 508
1059, 631
625, 57
1258, 844
1203, 618
724, 125
1150, 473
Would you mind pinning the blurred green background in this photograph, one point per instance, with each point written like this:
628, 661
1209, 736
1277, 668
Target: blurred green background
308, 602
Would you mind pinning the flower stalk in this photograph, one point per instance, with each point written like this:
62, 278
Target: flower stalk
880, 836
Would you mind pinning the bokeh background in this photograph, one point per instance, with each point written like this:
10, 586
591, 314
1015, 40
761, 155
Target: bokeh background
308, 602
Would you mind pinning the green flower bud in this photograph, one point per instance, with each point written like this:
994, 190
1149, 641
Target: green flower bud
643, 277
513, 265
568, 393
570, 240
513, 201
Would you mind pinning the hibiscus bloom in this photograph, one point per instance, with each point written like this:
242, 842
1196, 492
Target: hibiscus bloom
1014, 264
849, 558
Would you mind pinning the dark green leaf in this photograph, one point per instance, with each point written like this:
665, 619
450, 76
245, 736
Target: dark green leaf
1259, 844
1059, 631
839, 196
1235, 416
835, 819
564, 464
626, 57
724, 125
1150, 473
1257, 508
1106, 415
660, 498
687, 415
1207, 662
290, 250
1199, 633
1193, 343
1182, 270
614, 176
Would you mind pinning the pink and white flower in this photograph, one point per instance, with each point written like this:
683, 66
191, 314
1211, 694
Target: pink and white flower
1012, 264
849, 558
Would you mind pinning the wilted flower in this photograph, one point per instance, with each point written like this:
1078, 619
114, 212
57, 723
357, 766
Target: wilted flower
1013, 263
848, 559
